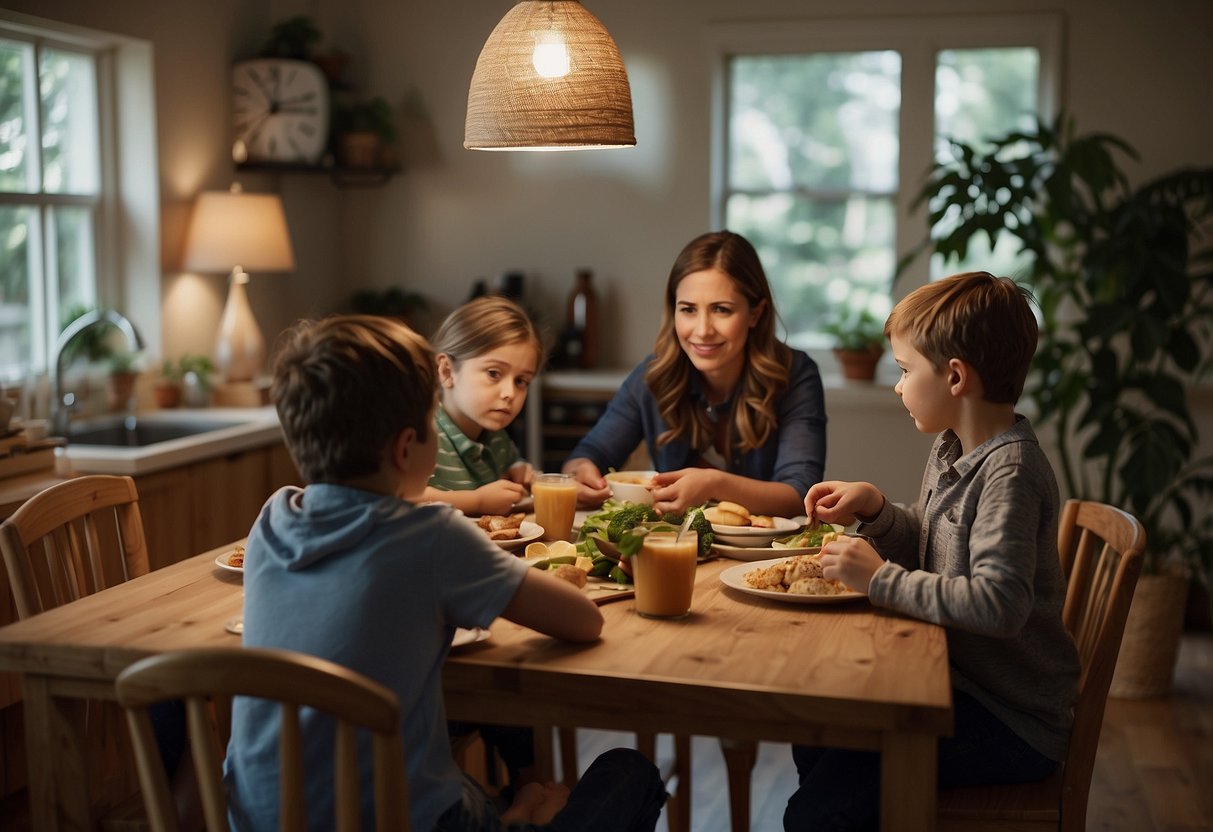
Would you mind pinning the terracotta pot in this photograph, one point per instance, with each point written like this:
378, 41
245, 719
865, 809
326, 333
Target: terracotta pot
859, 365
1150, 644
120, 389
360, 150
168, 395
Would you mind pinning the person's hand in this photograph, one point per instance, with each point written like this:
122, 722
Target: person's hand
592, 489
851, 560
522, 473
499, 496
840, 502
676, 491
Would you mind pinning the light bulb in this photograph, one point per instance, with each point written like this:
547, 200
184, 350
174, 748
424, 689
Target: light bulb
551, 59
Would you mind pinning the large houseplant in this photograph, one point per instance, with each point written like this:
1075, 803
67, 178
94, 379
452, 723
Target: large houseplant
1125, 285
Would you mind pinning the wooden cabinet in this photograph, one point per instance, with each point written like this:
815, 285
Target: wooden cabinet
562, 407
205, 504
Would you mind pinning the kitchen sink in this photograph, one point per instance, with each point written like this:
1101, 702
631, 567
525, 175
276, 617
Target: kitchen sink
132, 432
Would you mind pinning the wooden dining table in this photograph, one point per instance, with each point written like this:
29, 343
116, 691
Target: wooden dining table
738, 667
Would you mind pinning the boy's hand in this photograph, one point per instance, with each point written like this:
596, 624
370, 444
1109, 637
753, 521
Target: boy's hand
840, 502
851, 560
499, 496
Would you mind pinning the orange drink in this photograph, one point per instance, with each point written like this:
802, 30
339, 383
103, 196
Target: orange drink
555, 504
664, 572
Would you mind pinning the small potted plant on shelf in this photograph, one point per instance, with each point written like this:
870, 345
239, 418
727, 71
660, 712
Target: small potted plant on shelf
366, 134
123, 373
858, 342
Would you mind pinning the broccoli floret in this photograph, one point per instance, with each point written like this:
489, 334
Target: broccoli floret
630, 515
699, 524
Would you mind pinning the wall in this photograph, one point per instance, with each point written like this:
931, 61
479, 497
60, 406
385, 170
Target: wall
1138, 70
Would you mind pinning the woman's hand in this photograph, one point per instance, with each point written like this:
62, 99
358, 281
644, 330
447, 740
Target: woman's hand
676, 491
841, 502
851, 560
499, 496
592, 489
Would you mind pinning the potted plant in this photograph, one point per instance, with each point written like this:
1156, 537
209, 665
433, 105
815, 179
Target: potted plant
366, 133
858, 342
120, 385
294, 37
1126, 303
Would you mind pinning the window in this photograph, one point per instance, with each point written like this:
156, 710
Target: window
825, 131
79, 217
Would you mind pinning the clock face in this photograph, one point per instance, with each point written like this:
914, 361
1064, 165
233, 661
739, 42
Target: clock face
280, 111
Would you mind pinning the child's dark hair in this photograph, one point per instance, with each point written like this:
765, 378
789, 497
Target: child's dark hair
984, 320
345, 386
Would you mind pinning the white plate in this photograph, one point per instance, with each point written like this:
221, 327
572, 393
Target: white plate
221, 562
753, 553
734, 577
527, 532
752, 536
235, 626
464, 636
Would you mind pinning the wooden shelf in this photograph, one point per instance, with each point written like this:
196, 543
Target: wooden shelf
342, 176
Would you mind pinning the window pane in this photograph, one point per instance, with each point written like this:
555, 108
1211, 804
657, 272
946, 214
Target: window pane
74, 266
69, 119
16, 227
982, 94
826, 121
16, 59
819, 255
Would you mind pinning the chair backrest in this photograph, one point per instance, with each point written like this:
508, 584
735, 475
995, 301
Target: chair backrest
293, 679
1101, 553
73, 539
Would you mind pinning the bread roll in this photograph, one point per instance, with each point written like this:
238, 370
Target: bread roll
721, 517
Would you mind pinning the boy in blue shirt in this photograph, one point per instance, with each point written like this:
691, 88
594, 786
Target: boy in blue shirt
977, 553
352, 569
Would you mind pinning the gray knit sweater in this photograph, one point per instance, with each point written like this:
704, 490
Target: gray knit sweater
978, 555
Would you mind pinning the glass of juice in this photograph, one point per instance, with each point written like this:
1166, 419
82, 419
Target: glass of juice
555, 504
664, 573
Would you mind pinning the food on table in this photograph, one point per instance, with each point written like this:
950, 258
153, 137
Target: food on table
502, 526
799, 575
569, 572
762, 521
630, 479
236, 558
726, 513
625, 524
812, 536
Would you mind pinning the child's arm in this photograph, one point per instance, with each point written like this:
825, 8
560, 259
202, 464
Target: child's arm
498, 497
554, 607
521, 472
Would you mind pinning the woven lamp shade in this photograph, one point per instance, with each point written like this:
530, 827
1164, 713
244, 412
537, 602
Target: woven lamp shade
512, 106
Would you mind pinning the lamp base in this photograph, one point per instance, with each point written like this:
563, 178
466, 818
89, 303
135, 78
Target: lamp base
240, 349
240, 394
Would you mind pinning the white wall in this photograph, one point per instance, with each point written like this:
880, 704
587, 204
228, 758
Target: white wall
1138, 70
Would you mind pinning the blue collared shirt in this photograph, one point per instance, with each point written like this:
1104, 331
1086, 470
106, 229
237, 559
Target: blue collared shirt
794, 453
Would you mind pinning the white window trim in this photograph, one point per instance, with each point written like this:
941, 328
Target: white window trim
128, 220
918, 39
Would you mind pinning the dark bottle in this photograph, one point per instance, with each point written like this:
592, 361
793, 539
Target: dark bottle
581, 333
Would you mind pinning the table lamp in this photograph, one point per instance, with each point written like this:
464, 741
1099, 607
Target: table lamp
235, 231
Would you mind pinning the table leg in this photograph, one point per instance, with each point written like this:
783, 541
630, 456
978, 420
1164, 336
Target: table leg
908, 764
56, 767
545, 754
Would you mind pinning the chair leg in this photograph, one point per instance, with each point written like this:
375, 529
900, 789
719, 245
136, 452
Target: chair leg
568, 756
739, 759
678, 806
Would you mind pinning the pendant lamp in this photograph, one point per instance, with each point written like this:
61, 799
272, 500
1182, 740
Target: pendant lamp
549, 78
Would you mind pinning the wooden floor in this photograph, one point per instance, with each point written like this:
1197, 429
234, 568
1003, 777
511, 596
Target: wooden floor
1153, 772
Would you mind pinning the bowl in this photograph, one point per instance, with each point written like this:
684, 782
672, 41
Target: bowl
631, 486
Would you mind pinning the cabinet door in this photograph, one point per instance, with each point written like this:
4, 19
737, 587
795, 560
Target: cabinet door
226, 496
164, 503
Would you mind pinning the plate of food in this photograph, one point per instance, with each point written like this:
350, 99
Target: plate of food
527, 532
755, 553
734, 525
232, 561
631, 486
509, 531
792, 580
465, 636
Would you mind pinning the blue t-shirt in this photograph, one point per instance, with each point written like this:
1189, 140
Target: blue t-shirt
378, 585
794, 453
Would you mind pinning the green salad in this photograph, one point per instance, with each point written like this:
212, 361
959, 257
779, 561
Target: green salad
625, 525
807, 539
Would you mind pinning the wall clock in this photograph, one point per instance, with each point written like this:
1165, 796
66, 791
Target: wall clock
280, 111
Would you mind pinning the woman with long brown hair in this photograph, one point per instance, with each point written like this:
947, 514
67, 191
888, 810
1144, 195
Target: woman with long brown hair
726, 409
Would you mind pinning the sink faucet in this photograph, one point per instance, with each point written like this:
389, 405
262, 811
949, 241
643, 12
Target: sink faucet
61, 403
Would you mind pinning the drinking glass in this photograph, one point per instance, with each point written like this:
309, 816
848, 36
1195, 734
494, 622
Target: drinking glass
664, 573
555, 504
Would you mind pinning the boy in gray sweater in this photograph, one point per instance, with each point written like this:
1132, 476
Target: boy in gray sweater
977, 554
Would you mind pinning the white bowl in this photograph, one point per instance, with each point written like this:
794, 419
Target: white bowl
630, 486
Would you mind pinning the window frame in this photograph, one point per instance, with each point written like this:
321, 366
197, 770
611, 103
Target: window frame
125, 211
918, 40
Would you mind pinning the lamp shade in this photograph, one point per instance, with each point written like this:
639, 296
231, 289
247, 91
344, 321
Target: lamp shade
549, 78
232, 228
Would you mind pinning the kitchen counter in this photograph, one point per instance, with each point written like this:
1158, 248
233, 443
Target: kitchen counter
251, 427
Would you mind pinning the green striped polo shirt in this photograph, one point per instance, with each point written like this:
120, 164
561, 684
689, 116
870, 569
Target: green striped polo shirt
465, 465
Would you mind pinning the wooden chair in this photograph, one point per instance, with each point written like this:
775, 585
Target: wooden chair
71, 540
1101, 550
294, 679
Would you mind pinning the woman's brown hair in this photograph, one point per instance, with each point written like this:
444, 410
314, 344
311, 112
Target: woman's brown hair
768, 361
